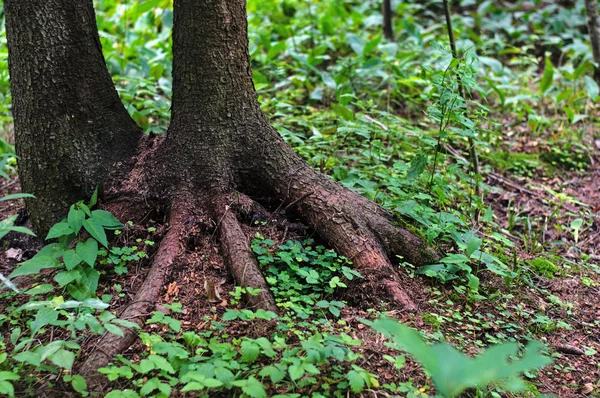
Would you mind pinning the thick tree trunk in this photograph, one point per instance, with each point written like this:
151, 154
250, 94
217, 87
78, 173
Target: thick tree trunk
591, 9
70, 126
388, 24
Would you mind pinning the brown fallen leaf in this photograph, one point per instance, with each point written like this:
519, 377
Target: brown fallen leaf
587, 388
569, 349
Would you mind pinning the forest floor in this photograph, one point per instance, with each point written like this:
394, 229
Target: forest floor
367, 112
560, 308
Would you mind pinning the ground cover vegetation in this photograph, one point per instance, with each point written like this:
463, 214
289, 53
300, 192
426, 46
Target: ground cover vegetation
477, 281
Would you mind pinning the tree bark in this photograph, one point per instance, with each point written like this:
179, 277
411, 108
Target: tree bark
388, 24
70, 126
591, 9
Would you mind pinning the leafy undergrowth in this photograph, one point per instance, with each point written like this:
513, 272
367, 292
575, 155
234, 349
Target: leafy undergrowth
386, 119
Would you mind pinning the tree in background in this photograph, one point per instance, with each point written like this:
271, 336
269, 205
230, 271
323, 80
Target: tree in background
591, 9
220, 156
388, 25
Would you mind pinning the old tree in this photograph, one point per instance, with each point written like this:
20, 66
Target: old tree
220, 157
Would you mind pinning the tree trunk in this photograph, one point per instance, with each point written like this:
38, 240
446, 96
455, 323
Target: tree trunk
220, 157
70, 126
591, 9
388, 24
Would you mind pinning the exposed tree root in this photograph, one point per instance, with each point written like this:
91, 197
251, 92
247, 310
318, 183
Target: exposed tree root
171, 247
238, 255
356, 227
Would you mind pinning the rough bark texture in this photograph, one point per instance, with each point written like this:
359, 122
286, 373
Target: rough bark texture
591, 9
70, 126
388, 25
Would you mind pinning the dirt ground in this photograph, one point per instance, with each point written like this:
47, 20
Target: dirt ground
562, 311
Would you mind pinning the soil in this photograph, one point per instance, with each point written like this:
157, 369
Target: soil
511, 311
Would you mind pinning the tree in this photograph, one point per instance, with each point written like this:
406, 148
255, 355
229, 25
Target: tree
220, 155
591, 9
388, 24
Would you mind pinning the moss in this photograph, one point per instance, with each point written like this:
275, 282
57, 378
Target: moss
543, 266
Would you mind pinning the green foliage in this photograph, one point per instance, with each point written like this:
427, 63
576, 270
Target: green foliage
75, 256
453, 372
543, 266
78, 275
301, 276
208, 364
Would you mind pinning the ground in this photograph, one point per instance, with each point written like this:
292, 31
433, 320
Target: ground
367, 113
560, 309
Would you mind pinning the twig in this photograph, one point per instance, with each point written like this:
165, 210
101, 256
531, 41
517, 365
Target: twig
295, 202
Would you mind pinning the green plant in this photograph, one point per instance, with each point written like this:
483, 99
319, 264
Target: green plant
453, 372
543, 266
301, 276
77, 254
206, 365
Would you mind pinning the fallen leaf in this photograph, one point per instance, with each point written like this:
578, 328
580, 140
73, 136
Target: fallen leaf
14, 254
587, 388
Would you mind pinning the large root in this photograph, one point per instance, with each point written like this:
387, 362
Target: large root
144, 302
238, 255
356, 227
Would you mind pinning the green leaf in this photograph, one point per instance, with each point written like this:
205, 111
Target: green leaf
106, 219
114, 329
148, 5
149, 386
357, 383
473, 282
7, 388
86, 285
75, 219
250, 351
474, 244
122, 394
146, 366
453, 372
96, 230
94, 198
252, 387
16, 196
231, 315
95, 303
63, 358
71, 259
41, 289
161, 363
592, 88
417, 166
6, 375
59, 229
358, 46
43, 317
547, 77
65, 277
296, 371
35, 265
32, 358
79, 384
88, 251
576, 226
